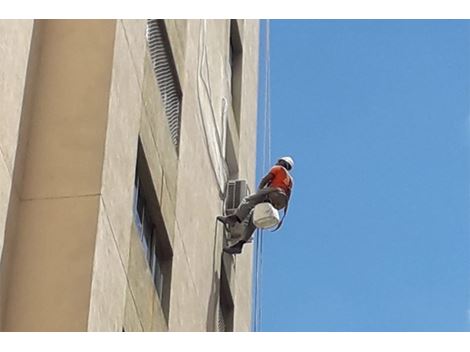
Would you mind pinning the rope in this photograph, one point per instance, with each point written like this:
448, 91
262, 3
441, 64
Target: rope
266, 165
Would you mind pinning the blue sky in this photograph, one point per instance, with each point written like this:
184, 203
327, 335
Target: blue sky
376, 115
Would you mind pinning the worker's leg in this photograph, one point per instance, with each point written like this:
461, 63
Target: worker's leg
247, 233
247, 204
277, 197
251, 201
249, 229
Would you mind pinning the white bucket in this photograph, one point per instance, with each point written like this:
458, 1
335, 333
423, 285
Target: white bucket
265, 216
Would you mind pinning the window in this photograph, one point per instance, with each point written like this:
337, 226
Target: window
166, 75
231, 156
152, 231
233, 133
236, 61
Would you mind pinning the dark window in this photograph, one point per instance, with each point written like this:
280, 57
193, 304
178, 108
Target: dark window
166, 75
236, 61
233, 134
152, 231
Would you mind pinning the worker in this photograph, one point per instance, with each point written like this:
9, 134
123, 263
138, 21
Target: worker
275, 188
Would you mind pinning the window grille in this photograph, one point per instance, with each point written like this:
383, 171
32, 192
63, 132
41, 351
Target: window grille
165, 73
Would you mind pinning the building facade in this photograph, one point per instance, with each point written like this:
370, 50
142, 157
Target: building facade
117, 140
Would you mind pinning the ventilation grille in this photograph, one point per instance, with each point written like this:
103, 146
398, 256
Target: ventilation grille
165, 72
236, 191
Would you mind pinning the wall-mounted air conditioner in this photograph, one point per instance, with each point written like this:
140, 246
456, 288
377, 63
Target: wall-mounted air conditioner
236, 191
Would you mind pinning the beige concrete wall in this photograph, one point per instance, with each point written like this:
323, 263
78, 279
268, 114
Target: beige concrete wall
187, 189
79, 164
20, 83
123, 295
177, 30
158, 147
120, 269
247, 166
198, 237
51, 251
199, 200
142, 303
14, 52
109, 285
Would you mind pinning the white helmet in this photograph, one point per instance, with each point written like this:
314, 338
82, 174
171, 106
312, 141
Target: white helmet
288, 160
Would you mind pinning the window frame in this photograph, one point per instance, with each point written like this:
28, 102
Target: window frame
154, 237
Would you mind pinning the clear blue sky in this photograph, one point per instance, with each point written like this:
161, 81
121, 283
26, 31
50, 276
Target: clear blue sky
376, 115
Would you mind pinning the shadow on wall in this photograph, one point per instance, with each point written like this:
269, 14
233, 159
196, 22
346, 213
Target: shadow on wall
211, 321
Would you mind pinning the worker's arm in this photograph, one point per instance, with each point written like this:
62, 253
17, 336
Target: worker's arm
265, 181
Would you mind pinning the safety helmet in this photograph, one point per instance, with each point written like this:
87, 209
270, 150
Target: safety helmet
288, 160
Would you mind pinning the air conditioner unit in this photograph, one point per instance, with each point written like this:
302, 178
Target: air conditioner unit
236, 191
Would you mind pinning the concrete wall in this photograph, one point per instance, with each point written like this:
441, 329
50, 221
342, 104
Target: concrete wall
110, 270
247, 165
187, 188
51, 248
198, 234
14, 53
123, 295
70, 234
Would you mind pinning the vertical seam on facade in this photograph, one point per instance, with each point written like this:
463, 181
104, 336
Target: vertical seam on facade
120, 23
122, 262
108, 108
10, 172
134, 64
187, 261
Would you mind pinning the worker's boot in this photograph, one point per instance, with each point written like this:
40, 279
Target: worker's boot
229, 219
236, 248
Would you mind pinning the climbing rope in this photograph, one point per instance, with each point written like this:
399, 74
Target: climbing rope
265, 167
